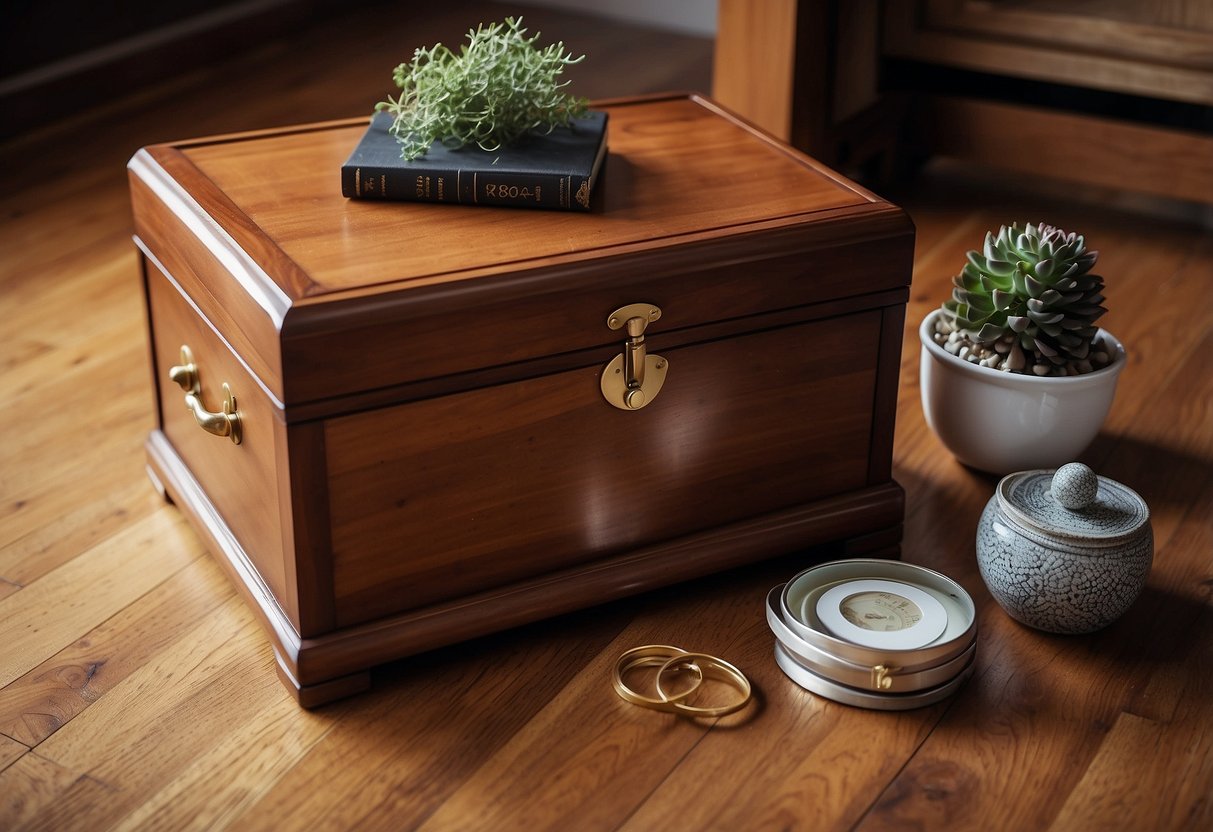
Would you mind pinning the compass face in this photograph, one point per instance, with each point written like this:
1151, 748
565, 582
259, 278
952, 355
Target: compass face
880, 611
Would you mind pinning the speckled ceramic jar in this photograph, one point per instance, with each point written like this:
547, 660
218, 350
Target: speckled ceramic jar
1064, 551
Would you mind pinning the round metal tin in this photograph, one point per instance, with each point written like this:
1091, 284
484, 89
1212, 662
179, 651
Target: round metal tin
864, 699
798, 601
882, 679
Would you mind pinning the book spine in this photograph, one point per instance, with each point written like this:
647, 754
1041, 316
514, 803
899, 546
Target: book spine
518, 190
360, 182
526, 190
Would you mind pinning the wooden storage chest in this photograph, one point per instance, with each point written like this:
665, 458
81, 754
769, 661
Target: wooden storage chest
427, 451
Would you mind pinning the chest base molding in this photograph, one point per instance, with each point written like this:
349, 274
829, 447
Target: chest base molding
334, 665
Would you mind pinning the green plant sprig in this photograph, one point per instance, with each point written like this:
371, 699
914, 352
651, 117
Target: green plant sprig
496, 90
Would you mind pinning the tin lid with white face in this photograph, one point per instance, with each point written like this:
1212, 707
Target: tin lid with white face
891, 615
879, 678
895, 609
874, 633
1073, 504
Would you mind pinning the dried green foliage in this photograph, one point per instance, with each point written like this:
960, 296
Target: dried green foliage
498, 88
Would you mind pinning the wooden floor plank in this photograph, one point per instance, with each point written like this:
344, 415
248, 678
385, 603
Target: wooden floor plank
93, 463
796, 769
65, 527
49, 614
1143, 778
429, 724
213, 687
1166, 692
82, 346
1154, 774
808, 773
1063, 693
10, 751
41, 264
217, 650
592, 755
29, 786
232, 773
45, 498
48, 696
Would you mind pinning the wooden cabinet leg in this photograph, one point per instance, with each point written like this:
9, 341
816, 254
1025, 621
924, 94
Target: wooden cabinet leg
321, 693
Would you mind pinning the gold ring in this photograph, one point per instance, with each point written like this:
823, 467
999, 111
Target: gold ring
652, 655
710, 667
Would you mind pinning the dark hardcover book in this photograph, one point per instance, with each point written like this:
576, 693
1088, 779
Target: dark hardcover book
556, 170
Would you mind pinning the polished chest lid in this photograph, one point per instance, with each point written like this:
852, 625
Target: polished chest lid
1074, 504
326, 298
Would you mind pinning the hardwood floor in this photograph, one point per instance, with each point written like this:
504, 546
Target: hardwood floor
137, 691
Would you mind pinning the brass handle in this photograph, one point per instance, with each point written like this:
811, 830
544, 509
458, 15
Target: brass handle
185, 374
224, 423
633, 378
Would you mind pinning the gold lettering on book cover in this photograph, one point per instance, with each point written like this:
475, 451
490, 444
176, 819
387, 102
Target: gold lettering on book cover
515, 192
583, 193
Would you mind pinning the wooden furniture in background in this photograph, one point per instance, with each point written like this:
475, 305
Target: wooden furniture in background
1107, 93
805, 70
427, 454
1162, 49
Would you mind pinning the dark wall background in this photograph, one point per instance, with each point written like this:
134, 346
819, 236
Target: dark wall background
61, 56
36, 34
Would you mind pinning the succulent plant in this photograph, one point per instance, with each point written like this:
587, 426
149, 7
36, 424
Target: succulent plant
1031, 286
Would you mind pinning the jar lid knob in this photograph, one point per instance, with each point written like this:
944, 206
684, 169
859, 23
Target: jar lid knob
1075, 486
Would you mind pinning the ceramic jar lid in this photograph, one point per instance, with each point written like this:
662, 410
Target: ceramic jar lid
1074, 504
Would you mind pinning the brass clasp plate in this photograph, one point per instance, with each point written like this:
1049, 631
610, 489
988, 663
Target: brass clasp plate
634, 378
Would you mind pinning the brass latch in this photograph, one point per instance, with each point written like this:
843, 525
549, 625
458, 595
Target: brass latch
634, 378
224, 423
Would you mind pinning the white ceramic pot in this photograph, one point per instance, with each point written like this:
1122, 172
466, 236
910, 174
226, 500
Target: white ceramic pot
1002, 422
